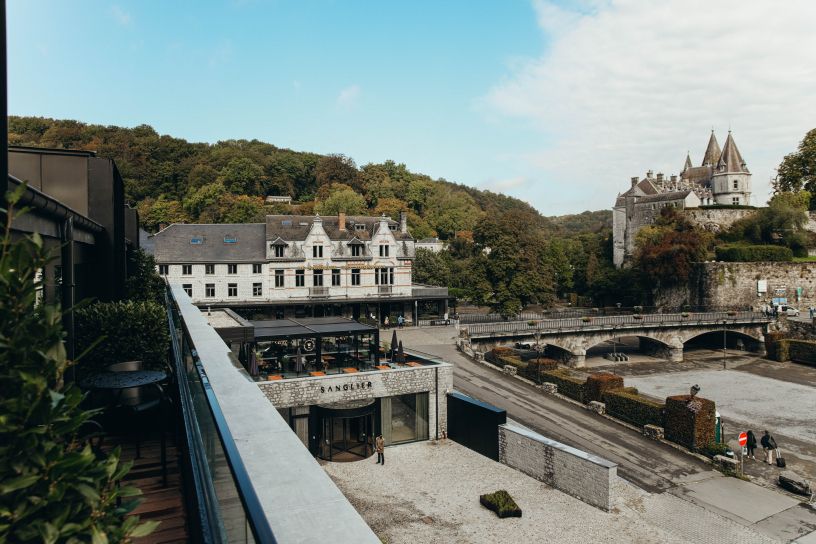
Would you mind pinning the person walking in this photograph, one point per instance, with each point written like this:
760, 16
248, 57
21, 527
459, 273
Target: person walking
751, 444
769, 445
385, 322
379, 445
400, 321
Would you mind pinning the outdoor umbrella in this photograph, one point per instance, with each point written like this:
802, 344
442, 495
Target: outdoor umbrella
242, 355
253, 362
401, 355
393, 345
298, 361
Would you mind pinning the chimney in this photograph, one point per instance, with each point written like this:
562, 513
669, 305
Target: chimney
673, 179
649, 174
660, 176
341, 221
403, 222
635, 180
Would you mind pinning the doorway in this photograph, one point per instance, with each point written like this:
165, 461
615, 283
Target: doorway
346, 431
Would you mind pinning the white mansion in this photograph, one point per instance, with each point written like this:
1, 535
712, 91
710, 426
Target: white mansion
296, 265
720, 182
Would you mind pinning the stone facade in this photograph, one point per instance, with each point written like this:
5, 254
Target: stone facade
749, 285
717, 219
577, 473
721, 179
366, 385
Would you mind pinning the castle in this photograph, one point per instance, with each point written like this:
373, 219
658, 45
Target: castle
722, 179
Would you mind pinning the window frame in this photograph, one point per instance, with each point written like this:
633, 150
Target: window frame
356, 277
230, 288
188, 288
257, 268
257, 289
186, 270
209, 269
300, 277
317, 278
317, 251
279, 251
232, 269
164, 269
280, 274
335, 275
209, 288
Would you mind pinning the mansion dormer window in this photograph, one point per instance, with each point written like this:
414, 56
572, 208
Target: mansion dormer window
278, 251
317, 251
356, 250
384, 250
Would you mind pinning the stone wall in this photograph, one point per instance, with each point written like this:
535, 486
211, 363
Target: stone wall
736, 284
716, 219
577, 473
366, 385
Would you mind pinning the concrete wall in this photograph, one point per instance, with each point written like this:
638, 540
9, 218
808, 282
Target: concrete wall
366, 385
736, 284
577, 473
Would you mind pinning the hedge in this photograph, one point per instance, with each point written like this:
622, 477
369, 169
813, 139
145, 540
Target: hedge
494, 354
130, 330
536, 369
599, 383
633, 408
801, 351
501, 503
689, 421
744, 253
568, 385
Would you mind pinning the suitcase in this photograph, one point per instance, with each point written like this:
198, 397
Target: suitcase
780, 461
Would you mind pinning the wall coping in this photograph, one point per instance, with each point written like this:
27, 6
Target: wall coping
303, 379
594, 459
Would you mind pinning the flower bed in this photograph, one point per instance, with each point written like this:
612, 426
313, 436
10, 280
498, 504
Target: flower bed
689, 421
599, 383
501, 503
568, 385
627, 405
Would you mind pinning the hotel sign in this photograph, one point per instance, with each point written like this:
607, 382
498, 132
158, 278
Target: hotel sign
345, 387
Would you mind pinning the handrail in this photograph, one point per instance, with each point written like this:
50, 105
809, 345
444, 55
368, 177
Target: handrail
205, 490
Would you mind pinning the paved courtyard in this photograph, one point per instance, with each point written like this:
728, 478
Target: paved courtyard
429, 492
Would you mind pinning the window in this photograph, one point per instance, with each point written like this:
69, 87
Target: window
164, 269
278, 251
232, 269
230, 239
736, 184
188, 288
317, 251
232, 289
209, 269
356, 250
278, 278
359, 226
335, 277
735, 201
209, 290
300, 278
186, 270
256, 268
317, 278
392, 227
257, 289
355, 276
384, 276
383, 250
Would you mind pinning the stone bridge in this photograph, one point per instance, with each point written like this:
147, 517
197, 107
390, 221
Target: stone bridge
660, 334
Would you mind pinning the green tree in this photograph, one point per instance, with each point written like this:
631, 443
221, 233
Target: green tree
201, 175
431, 268
242, 176
204, 200
143, 282
337, 169
241, 209
161, 211
782, 222
666, 252
798, 170
344, 200
448, 211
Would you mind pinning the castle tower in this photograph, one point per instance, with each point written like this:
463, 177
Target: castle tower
731, 182
712, 152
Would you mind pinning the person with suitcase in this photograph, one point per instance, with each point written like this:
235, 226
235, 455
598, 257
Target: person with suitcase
769, 445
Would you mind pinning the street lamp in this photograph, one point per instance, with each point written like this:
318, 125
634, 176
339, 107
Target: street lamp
537, 335
724, 344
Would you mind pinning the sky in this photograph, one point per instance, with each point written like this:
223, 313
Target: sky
557, 103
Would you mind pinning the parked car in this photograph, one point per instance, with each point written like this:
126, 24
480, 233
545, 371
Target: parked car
523, 345
791, 312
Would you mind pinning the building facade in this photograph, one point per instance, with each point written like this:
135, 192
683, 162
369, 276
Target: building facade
292, 265
722, 179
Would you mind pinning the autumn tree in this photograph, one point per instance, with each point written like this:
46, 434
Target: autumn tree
337, 169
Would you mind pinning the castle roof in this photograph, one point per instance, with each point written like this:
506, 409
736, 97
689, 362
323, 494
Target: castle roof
667, 196
712, 152
730, 159
687, 165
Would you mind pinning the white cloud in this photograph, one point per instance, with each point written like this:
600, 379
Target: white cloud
349, 96
120, 15
625, 86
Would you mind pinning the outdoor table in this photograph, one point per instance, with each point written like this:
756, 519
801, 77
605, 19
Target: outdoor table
382, 367
274, 377
122, 380
350, 370
317, 373
413, 363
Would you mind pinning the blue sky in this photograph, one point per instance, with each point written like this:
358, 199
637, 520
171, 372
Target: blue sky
558, 104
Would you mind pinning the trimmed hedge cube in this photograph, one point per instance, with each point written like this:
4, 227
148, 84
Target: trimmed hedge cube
599, 383
690, 421
568, 384
629, 406
501, 503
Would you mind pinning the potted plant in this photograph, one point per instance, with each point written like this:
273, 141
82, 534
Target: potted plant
637, 316
532, 323
684, 314
586, 319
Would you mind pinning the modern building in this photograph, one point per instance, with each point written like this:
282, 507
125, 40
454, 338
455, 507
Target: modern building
299, 266
721, 180
278, 199
431, 244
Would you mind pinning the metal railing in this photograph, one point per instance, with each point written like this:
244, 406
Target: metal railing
222, 504
568, 313
555, 326
319, 291
384, 289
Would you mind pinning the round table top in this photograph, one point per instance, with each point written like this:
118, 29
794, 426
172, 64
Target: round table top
123, 380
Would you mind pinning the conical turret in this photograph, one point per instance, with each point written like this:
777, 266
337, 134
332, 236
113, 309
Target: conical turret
730, 159
688, 162
712, 152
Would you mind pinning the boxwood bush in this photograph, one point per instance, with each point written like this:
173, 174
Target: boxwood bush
628, 405
502, 503
537, 369
568, 385
599, 383
689, 421
746, 253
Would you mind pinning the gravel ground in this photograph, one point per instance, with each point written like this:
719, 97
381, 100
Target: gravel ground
781, 407
428, 492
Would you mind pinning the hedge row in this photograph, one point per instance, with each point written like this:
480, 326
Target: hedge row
744, 253
689, 421
536, 369
568, 385
627, 405
599, 383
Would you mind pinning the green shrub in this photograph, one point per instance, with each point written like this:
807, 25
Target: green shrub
536, 369
52, 486
629, 406
143, 282
746, 253
502, 503
689, 421
132, 331
568, 385
599, 383
714, 448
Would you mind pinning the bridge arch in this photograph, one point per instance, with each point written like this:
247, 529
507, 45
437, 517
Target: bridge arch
749, 340
573, 349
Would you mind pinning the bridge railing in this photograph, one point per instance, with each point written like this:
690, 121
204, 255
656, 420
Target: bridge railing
579, 312
553, 326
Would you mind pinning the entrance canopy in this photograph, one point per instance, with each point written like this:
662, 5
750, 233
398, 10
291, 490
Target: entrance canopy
281, 329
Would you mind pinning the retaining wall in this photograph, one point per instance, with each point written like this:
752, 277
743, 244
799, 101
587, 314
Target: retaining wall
575, 472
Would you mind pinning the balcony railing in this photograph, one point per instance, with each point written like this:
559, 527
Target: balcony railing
384, 289
318, 292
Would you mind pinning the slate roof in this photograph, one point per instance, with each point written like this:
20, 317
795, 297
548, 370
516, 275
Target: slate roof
297, 227
731, 160
662, 197
175, 244
712, 152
